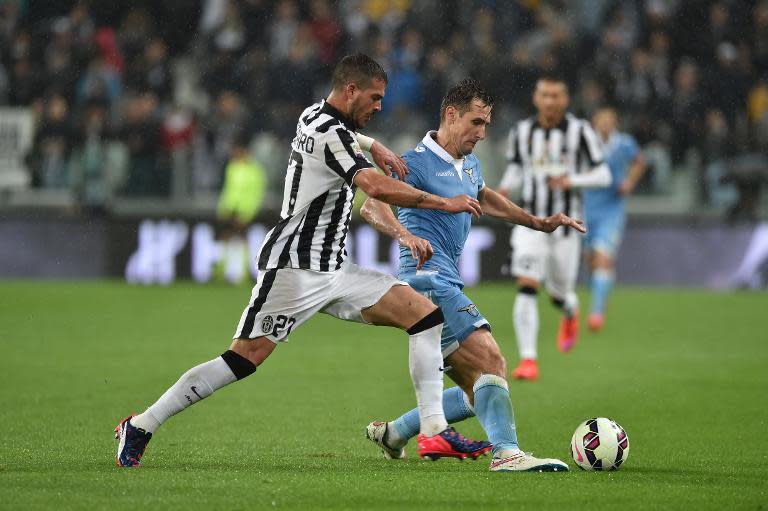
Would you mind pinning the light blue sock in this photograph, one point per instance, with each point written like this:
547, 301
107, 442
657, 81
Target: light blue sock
455, 406
494, 411
602, 281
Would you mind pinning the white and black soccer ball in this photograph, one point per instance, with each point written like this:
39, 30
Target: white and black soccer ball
599, 444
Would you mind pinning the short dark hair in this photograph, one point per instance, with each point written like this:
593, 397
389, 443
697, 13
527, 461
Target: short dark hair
359, 69
553, 77
461, 95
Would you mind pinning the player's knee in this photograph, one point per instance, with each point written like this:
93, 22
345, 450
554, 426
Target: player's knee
493, 361
497, 364
431, 320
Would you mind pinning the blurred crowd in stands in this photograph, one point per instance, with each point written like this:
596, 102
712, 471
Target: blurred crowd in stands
167, 87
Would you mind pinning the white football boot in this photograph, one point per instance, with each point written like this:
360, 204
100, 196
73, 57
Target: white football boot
526, 462
375, 432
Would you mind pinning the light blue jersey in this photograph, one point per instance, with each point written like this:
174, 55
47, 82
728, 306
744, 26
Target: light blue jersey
604, 207
433, 170
620, 151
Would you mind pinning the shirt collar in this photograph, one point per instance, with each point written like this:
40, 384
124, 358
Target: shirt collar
333, 112
431, 144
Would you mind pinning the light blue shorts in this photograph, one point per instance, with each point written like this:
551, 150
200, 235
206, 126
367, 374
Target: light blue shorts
462, 317
604, 234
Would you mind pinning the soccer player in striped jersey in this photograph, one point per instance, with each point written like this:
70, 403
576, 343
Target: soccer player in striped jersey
604, 209
443, 164
553, 156
303, 267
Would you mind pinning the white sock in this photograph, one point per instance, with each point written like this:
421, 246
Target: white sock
506, 453
571, 304
235, 260
426, 362
392, 438
198, 383
526, 319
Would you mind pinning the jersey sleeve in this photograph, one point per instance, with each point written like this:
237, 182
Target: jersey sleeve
344, 156
590, 145
415, 175
512, 177
480, 178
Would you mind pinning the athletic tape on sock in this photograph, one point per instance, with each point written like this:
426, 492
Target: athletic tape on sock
490, 379
432, 319
240, 366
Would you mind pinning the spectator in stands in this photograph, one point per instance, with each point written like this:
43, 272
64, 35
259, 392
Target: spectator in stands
53, 144
151, 71
687, 110
284, 26
141, 135
326, 31
99, 83
758, 37
95, 178
215, 138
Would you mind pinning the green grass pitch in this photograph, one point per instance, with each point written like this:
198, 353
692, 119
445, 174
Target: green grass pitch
685, 372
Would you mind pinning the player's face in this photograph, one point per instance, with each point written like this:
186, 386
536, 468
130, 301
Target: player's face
605, 122
551, 99
365, 103
468, 129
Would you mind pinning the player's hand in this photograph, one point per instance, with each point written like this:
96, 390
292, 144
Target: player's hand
388, 160
551, 223
421, 249
463, 204
559, 183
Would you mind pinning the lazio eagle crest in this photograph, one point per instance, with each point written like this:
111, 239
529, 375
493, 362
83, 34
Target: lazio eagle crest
470, 171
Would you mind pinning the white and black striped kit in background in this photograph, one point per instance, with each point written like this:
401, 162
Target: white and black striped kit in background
318, 194
535, 153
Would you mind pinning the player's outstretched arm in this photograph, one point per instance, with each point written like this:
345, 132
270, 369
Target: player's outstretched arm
397, 193
496, 205
634, 175
380, 216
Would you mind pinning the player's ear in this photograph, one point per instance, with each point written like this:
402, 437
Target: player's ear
450, 114
350, 90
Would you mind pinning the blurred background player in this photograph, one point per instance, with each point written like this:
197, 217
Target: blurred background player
552, 155
604, 209
245, 182
443, 164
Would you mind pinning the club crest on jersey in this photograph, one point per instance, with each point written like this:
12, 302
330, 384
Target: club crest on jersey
420, 149
470, 171
267, 323
470, 309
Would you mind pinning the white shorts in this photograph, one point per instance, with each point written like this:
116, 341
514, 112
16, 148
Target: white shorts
551, 258
283, 299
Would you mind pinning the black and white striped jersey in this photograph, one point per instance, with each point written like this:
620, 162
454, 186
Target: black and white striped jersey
535, 153
317, 199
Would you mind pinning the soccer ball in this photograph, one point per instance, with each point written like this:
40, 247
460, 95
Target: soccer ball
599, 444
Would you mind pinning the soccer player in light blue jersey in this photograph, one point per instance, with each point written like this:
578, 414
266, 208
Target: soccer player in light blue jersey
604, 209
443, 164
